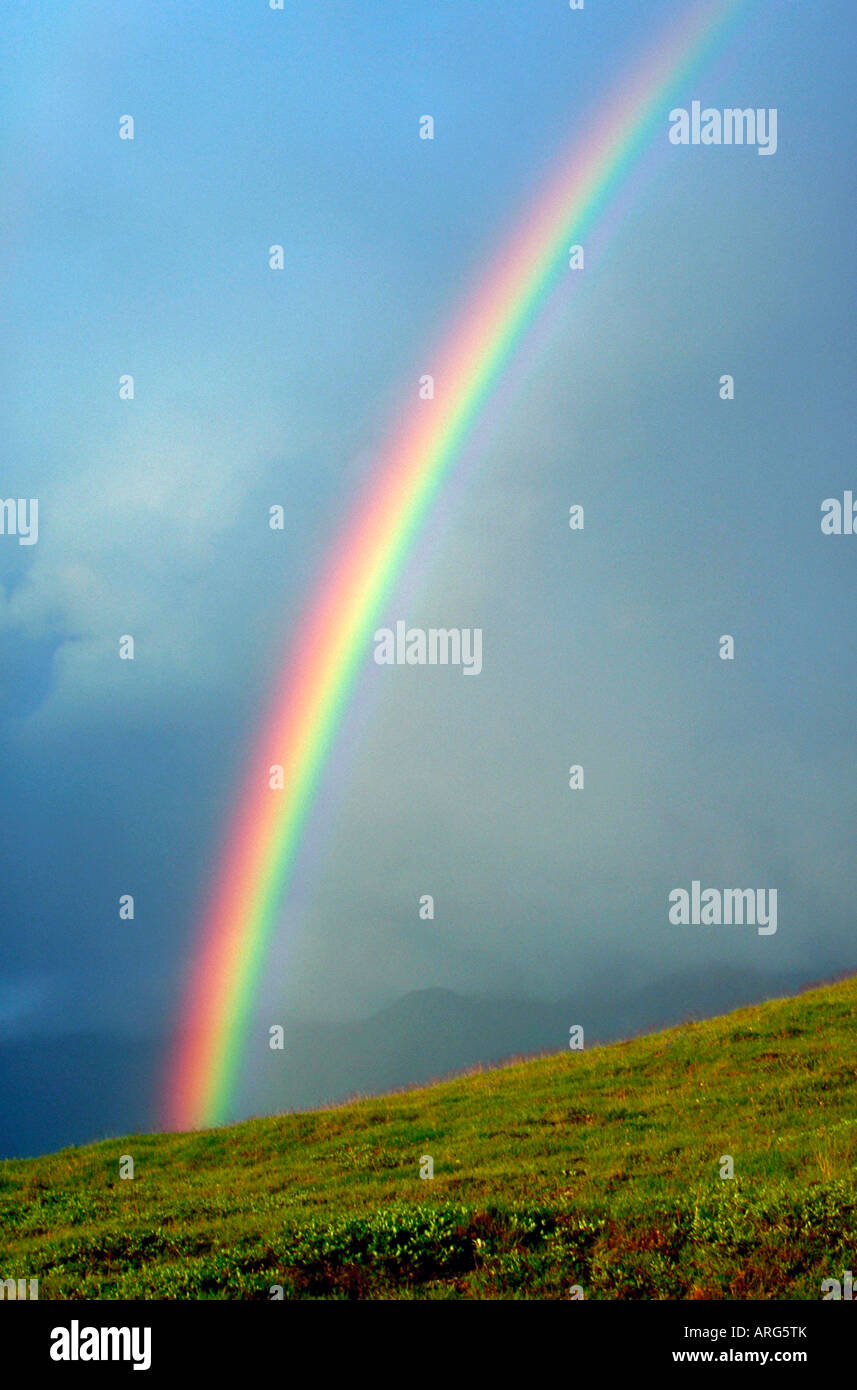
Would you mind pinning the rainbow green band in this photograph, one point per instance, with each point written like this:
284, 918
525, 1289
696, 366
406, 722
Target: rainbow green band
334, 638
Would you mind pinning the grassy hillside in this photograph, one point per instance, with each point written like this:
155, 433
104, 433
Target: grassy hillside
598, 1168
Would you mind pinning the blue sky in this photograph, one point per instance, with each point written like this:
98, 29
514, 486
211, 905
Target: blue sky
702, 517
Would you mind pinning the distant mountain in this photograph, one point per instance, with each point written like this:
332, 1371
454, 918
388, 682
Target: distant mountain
601, 1169
433, 1033
76, 1089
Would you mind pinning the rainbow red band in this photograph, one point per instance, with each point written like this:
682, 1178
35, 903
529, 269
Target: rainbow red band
334, 638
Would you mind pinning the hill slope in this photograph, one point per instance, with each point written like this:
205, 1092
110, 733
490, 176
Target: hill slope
77, 1088
599, 1169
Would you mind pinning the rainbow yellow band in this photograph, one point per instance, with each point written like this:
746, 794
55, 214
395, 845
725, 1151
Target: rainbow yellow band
334, 637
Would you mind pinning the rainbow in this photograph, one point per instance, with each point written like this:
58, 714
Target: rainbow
334, 636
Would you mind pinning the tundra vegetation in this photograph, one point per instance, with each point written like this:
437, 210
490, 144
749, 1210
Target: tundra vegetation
601, 1168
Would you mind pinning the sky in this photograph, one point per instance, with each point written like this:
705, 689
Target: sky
253, 388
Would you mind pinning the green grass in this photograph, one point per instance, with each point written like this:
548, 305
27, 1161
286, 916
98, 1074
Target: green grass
597, 1168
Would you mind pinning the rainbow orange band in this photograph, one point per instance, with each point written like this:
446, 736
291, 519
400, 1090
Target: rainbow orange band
334, 637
